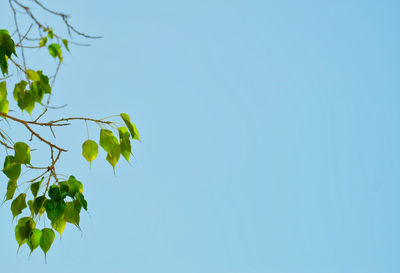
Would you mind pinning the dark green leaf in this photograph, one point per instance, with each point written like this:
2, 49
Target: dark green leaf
35, 187
38, 204
81, 199
3, 61
54, 210
7, 43
18, 204
55, 193
74, 185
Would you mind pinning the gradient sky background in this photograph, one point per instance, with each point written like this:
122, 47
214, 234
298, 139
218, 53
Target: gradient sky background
270, 138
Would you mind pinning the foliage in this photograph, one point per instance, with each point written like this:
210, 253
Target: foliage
49, 194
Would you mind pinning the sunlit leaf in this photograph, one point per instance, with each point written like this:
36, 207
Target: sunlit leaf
125, 142
32, 75
65, 42
55, 51
59, 225
131, 127
107, 140
24, 99
22, 153
34, 239
3, 98
90, 149
50, 33
47, 239
11, 169
113, 155
43, 42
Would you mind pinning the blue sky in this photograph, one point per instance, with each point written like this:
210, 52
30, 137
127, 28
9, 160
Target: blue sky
270, 138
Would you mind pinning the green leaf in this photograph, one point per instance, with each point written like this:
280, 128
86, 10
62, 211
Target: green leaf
125, 142
11, 169
35, 187
74, 186
113, 155
38, 204
55, 193
107, 140
32, 75
72, 211
34, 239
132, 128
65, 42
24, 98
43, 42
11, 187
3, 98
59, 225
55, 51
18, 205
50, 33
81, 199
111, 145
7, 43
30, 206
23, 230
3, 61
47, 239
4, 104
22, 153
90, 149
54, 210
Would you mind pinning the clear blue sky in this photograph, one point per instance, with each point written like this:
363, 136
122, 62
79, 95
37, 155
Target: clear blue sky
270, 138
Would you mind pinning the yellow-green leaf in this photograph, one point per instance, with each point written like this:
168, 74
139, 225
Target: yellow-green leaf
22, 153
132, 128
18, 204
90, 149
47, 239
